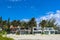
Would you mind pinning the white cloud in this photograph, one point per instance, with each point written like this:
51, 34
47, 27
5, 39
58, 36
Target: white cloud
15, 0
26, 20
50, 15
14, 7
55, 15
9, 6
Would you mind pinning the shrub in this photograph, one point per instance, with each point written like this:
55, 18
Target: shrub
5, 38
3, 32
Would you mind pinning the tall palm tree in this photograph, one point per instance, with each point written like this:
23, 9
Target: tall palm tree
1, 22
32, 23
8, 24
43, 24
0, 19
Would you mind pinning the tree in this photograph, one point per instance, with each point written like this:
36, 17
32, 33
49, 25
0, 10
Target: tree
1, 22
0, 19
14, 23
32, 23
23, 24
18, 23
4, 23
8, 24
51, 23
43, 24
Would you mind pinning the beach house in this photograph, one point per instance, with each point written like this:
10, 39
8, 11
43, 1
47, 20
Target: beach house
19, 29
47, 30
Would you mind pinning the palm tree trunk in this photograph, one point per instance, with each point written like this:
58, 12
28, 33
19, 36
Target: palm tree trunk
42, 30
31, 30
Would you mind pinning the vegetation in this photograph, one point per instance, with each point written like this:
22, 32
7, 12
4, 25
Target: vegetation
48, 23
51, 23
5, 24
43, 24
5, 38
32, 23
3, 32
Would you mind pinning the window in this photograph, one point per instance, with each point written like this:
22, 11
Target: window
52, 32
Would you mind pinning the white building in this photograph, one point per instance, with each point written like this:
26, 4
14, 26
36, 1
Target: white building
47, 30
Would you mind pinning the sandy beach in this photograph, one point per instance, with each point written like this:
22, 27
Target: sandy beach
34, 37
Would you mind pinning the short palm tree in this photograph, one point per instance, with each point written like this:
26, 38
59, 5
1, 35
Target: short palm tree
14, 23
43, 24
5, 25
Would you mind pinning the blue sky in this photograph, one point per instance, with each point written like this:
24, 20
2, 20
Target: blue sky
26, 9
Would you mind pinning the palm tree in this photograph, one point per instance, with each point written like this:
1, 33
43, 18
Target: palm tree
8, 24
18, 23
1, 22
5, 27
31, 24
51, 23
23, 24
43, 24
14, 23
0, 19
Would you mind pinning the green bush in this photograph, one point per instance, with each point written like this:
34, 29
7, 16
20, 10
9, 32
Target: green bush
5, 38
3, 32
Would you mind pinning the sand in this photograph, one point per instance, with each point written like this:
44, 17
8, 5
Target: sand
35, 37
